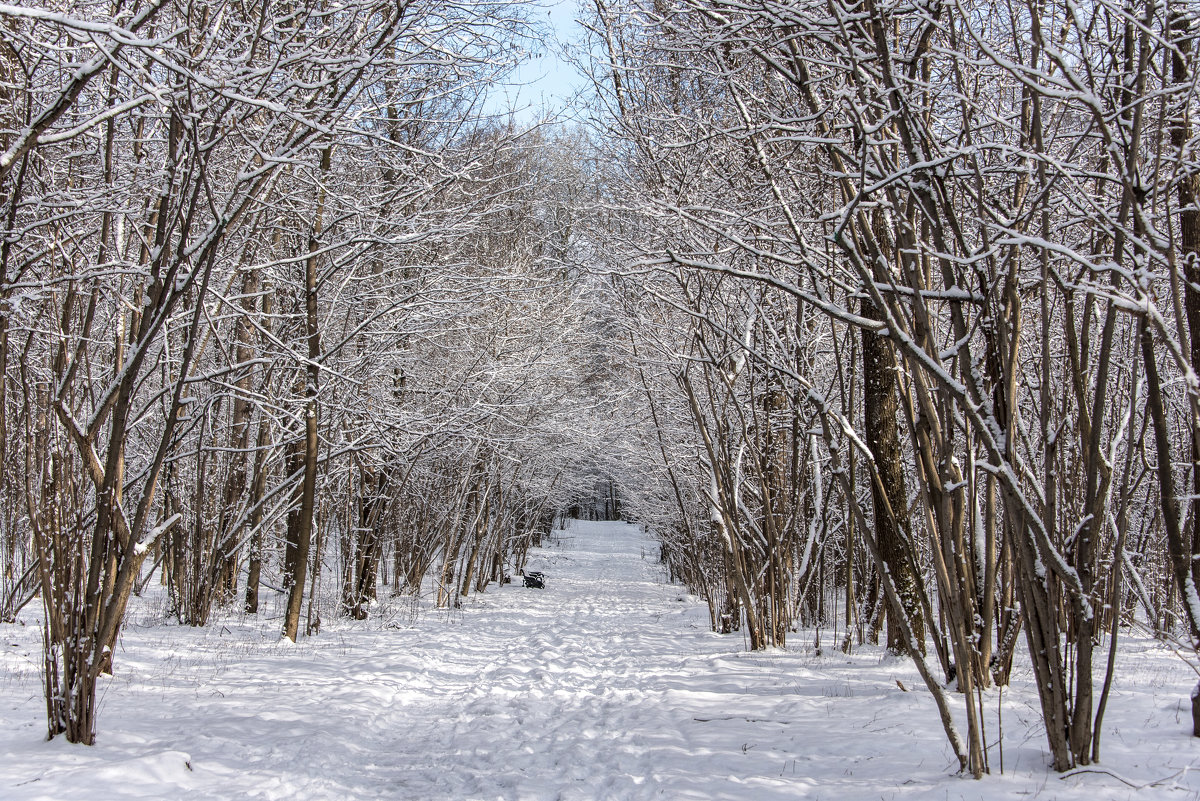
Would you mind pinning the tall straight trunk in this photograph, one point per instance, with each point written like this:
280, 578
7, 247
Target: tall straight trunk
773, 485
224, 580
293, 465
258, 492
258, 483
308, 485
880, 406
1183, 40
991, 574
480, 527
8, 539
365, 545
457, 526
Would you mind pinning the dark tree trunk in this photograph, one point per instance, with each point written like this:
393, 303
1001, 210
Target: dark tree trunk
880, 407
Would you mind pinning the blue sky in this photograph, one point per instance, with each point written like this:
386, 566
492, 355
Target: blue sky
545, 80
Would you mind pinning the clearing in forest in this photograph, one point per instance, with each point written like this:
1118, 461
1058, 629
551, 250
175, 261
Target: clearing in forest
605, 685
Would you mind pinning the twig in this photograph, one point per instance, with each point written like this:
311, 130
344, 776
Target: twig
1118, 777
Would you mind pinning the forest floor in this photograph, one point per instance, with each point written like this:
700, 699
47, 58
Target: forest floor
605, 685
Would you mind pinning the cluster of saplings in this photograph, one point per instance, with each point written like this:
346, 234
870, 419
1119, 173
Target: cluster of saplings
282, 312
914, 292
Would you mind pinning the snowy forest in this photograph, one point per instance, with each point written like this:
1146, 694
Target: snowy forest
877, 320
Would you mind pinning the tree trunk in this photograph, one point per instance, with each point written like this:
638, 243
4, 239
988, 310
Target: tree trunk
1181, 36
880, 406
258, 484
308, 486
258, 491
224, 579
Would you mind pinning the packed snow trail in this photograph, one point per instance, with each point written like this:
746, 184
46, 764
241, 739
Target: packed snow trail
605, 685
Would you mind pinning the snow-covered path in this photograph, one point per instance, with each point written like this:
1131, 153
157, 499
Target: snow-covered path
605, 685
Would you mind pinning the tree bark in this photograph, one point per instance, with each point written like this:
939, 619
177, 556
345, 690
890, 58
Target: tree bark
880, 406
308, 485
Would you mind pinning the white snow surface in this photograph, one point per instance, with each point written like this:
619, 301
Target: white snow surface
605, 685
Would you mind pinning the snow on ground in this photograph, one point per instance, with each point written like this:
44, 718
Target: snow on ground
605, 685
